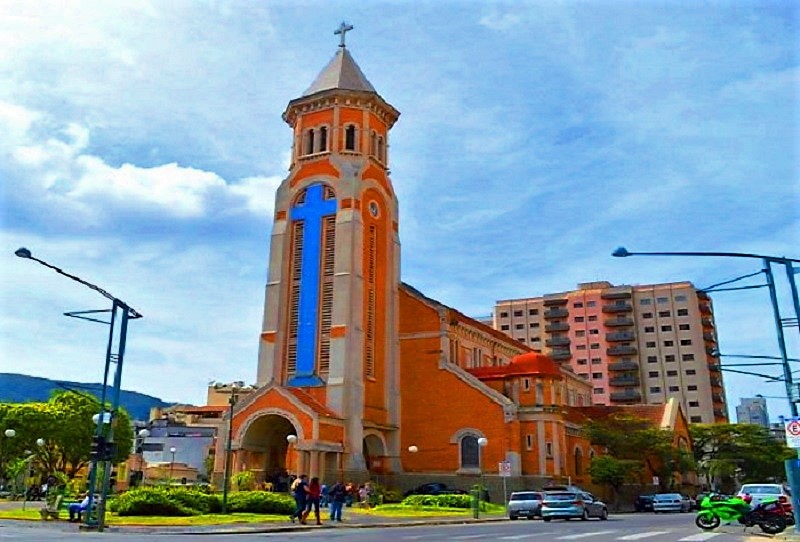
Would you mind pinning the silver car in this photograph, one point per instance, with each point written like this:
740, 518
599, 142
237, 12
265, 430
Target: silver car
525, 504
572, 504
671, 502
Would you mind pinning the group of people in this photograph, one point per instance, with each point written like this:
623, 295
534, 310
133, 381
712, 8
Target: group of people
310, 495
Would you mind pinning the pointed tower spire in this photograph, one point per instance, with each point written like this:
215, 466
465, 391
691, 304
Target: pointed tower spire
341, 73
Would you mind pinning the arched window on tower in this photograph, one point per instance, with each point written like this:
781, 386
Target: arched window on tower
310, 141
350, 138
373, 144
323, 139
539, 393
470, 452
381, 150
578, 462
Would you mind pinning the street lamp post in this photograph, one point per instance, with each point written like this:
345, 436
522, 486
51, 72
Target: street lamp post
28, 464
228, 445
292, 440
8, 433
120, 312
482, 443
140, 438
172, 450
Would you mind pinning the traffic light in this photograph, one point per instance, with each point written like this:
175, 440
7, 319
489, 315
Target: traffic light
98, 448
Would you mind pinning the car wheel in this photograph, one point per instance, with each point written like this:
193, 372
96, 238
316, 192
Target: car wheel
531, 517
512, 518
585, 515
604, 514
546, 519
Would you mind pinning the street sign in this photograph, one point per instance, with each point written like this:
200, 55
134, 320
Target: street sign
792, 426
504, 468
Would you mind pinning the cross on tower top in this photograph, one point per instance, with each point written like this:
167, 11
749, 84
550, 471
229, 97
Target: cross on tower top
343, 29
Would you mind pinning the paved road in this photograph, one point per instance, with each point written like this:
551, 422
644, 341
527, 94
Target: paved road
630, 528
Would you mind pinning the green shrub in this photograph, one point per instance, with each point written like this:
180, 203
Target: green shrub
150, 501
195, 499
245, 480
442, 501
260, 502
392, 496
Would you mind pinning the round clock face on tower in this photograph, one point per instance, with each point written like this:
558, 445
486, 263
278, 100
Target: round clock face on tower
373, 208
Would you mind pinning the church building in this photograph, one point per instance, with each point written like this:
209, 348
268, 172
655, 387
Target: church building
360, 375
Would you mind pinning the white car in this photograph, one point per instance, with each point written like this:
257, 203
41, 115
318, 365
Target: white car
671, 502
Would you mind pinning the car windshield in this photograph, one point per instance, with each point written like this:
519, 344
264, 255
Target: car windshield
560, 497
761, 490
525, 496
667, 497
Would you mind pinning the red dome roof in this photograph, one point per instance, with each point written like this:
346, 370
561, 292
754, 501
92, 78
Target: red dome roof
534, 362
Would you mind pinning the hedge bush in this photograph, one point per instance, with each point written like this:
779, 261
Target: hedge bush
260, 502
442, 501
155, 501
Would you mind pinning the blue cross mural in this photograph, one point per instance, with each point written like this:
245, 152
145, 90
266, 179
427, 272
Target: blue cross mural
312, 211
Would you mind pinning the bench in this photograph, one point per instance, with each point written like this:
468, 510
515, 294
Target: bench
51, 511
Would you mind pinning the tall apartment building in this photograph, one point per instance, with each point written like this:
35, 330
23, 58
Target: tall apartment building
753, 410
635, 344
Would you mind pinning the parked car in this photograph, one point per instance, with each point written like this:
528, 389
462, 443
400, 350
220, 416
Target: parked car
525, 504
572, 504
759, 492
433, 488
671, 502
694, 504
643, 503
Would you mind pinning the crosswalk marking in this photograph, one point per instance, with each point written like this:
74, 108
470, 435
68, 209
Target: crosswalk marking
528, 535
637, 536
699, 537
583, 535
468, 537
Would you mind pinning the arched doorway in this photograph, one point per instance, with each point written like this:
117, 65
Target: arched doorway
265, 450
374, 454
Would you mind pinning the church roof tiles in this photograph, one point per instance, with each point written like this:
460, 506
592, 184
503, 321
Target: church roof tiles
341, 73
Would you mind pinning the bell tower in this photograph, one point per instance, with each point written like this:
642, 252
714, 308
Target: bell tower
330, 322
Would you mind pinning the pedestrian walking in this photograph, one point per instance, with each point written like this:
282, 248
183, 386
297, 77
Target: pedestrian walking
337, 494
312, 500
300, 491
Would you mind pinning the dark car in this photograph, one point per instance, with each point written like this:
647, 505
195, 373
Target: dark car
433, 488
643, 503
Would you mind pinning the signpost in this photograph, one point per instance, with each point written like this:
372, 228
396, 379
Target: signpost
792, 426
504, 468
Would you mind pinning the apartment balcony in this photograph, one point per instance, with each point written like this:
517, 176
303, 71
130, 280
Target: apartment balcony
621, 350
717, 398
619, 322
558, 341
716, 381
720, 413
556, 326
551, 301
620, 336
714, 367
709, 337
625, 307
707, 322
556, 313
626, 381
705, 308
627, 396
712, 351
617, 294
623, 366
560, 354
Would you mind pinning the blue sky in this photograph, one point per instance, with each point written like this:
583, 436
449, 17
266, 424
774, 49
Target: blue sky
142, 142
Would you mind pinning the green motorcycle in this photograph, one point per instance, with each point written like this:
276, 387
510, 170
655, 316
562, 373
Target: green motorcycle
714, 509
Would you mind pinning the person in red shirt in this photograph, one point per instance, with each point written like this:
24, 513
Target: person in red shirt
312, 499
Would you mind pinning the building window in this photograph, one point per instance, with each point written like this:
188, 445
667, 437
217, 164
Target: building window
533, 312
669, 357
350, 138
674, 388
503, 315
694, 404
580, 347
578, 462
647, 315
470, 452
653, 374
517, 313
650, 344
663, 314
684, 327
597, 361
594, 332
529, 442
598, 391
548, 447
645, 301
534, 324
519, 326
649, 329
680, 297
592, 303
582, 361
309, 142
577, 305
686, 342
593, 318
691, 388
683, 312
595, 346
535, 339
669, 343
323, 139
504, 327
580, 333
687, 357
662, 300
655, 389
579, 318
652, 359
526, 384
691, 372
696, 419
666, 328
521, 339
672, 373
597, 376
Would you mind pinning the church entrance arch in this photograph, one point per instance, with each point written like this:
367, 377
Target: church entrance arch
374, 454
265, 451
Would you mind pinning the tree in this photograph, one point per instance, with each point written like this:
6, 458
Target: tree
609, 471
